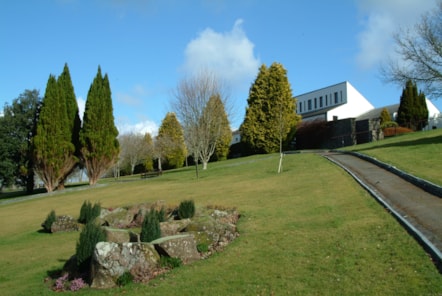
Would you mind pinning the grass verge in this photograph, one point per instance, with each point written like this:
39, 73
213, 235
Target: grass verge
308, 231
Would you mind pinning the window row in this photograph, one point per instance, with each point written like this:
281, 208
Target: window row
321, 102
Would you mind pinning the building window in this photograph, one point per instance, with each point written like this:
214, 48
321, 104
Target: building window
316, 104
309, 104
300, 106
320, 102
326, 100
336, 97
341, 96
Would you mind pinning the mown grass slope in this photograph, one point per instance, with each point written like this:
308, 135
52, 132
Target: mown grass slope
308, 231
418, 153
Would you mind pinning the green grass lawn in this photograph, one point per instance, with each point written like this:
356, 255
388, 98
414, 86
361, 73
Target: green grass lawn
308, 231
418, 153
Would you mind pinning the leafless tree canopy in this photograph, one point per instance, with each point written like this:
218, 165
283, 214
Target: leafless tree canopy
199, 118
134, 150
421, 51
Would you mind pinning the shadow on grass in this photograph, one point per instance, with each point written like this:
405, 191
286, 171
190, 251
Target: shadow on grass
423, 141
37, 191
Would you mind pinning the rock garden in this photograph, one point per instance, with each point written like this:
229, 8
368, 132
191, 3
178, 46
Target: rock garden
139, 242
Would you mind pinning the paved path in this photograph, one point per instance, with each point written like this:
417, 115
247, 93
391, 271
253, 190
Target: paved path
421, 209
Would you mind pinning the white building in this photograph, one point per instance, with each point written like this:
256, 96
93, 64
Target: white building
333, 102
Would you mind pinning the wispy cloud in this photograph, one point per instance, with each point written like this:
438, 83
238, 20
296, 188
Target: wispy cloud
380, 19
230, 55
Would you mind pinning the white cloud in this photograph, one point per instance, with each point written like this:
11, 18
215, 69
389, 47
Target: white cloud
142, 127
81, 104
229, 55
380, 20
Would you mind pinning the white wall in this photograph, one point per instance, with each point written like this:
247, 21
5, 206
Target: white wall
356, 105
343, 98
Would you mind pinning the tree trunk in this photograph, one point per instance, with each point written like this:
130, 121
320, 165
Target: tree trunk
281, 155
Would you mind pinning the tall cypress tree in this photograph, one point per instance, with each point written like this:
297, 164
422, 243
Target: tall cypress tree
98, 135
413, 111
271, 111
252, 133
74, 123
52, 144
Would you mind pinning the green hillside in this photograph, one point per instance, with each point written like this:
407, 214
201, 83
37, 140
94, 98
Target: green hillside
311, 230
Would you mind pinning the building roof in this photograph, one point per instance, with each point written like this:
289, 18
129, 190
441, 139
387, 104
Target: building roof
376, 113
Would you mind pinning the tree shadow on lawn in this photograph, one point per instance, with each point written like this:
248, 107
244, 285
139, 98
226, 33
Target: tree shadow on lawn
423, 141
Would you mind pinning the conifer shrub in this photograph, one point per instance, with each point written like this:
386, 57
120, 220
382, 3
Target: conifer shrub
186, 209
125, 279
50, 219
202, 248
150, 229
89, 237
89, 212
161, 215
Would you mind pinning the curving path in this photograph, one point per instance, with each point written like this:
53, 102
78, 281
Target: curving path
418, 210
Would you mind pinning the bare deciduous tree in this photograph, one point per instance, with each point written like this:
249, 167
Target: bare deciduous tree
420, 49
198, 104
134, 150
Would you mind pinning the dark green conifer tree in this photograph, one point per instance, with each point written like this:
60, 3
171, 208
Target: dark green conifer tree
98, 135
52, 144
413, 111
74, 123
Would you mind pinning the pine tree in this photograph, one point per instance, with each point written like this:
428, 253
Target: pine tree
253, 133
52, 144
74, 123
98, 136
223, 142
271, 111
413, 112
171, 135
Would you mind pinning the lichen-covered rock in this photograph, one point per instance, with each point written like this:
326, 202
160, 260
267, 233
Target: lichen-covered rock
117, 218
117, 235
64, 223
212, 231
178, 246
173, 227
111, 260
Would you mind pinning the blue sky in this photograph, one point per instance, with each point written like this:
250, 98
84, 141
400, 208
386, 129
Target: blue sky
147, 46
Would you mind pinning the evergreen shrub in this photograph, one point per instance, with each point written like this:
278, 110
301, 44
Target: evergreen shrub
89, 212
50, 219
202, 248
89, 237
150, 229
186, 209
125, 279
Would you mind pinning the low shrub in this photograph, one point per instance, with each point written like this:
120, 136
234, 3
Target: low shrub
394, 131
186, 209
170, 262
202, 248
89, 237
161, 215
89, 212
125, 279
150, 229
50, 219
